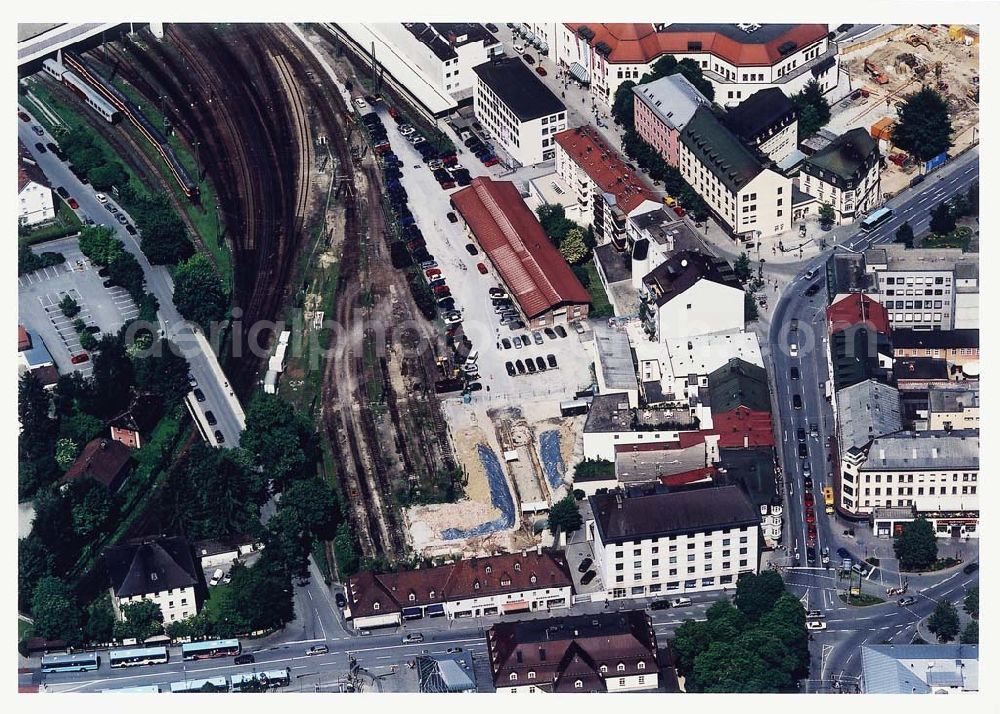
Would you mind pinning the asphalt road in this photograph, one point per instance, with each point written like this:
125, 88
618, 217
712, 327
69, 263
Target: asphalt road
219, 398
817, 585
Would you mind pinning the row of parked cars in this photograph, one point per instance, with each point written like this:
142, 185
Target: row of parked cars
481, 150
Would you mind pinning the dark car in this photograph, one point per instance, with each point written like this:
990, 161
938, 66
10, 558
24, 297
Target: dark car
659, 605
541, 364
510, 368
199, 395
807, 481
210, 418
516, 325
506, 343
436, 283
104, 272
530, 366
801, 434
73, 203
812, 289
794, 371
529, 59
92, 329
585, 565
803, 451
62, 192
130, 228
244, 659
491, 27
219, 437
843, 553
560, 330
471, 249
520, 366
122, 219
108, 283
340, 599
917, 180
447, 303
452, 218
797, 401
550, 333
552, 361
970, 568
904, 601
810, 555
41, 147
587, 577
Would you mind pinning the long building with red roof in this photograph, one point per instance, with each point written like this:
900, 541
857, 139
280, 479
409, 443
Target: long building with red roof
605, 185
739, 59
857, 309
535, 273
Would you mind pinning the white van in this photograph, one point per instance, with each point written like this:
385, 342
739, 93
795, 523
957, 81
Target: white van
810, 274
519, 48
472, 358
216, 577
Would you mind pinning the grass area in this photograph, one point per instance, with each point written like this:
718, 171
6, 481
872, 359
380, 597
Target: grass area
23, 629
64, 224
217, 602
939, 564
601, 306
861, 600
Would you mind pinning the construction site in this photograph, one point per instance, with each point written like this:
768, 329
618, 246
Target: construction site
885, 71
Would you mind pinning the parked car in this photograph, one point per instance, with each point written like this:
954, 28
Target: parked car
797, 401
360, 103
340, 599
244, 659
815, 625
815, 615
122, 219
210, 418
843, 553
317, 650
491, 27
970, 568
452, 218
509, 366
101, 197
412, 637
801, 434
659, 605
37, 129
130, 228
199, 395
216, 577
812, 290
108, 283
541, 70
498, 293
516, 325
73, 203
528, 58
578, 326
41, 147
540, 361
794, 372
587, 577
481, 267
79, 358
552, 361
520, 367
585, 565
471, 249
452, 318
221, 438
23, 117
537, 337
517, 342
680, 601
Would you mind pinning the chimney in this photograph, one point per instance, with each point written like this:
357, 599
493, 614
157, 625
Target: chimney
524, 553
104, 444
538, 549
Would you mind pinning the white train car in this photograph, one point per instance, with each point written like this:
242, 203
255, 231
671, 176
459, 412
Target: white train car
91, 98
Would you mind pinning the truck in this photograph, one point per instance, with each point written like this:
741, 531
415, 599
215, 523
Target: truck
828, 499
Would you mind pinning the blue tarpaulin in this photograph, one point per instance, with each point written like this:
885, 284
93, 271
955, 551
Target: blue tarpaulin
552, 462
499, 496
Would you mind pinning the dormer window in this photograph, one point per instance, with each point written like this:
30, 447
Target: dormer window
475, 585
531, 675
432, 594
641, 665
375, 606
604, 669
621, 666
152, 576
513, 676
412, 597
505, 581
517, 567
489, 569
578, 684
534, 579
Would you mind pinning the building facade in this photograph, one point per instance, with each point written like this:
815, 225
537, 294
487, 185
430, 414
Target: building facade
34, 197
750, 199
767, 122
162, 571
673, 543
519, 112
845, 174
661, 111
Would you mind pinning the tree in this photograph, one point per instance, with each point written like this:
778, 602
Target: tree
143, 619
69, 307
552, 218
971, 602
943, 622
904, 234
582, 274
194, 627
108, 175
827, 215
923, 128
742, 267
756, 594
92, 508
750, 311
34, 562
164, 372
99, 244
278, 440
56, 613
315, 505
164, 238
623, 107
100, 627
124, 270
258, 598
66, 452
972, 198
916, 545
942, 219
970, 635
565, 516
33, 404
344, 552
198, 292
113, 376
573, 248
813, 109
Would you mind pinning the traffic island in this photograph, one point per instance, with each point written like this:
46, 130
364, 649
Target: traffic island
862, 600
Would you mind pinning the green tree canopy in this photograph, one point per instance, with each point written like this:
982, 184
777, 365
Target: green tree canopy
916, 545
165, 240
278, 439
69, 307
34, 562
56, 613
756, 594
344, 551
813, 109
164, 372
742, 267
552, 218
315, 505
113, 376
826, 214
942, 219
971, 601
143, 619
99, 244
924, 128
195, 627
572, 248
198, 292
66, 452
108, 175
970, 635
623, 107
565, 516
904, 234
124, 270
93, 508
972, 198
100, 627
944, 622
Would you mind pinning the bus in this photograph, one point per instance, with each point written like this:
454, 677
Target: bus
210, 649
148, 689
79, 662
828, 499
876, 218
138, 656
272, 678
214, 685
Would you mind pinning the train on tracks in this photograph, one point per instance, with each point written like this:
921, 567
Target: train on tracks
79, 71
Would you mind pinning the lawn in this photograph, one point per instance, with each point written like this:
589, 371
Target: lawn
861, 600
598, 297
65, 223
23, 629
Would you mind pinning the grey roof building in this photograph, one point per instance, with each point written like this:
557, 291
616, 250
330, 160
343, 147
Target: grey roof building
673, 99
924, 450
919, 669
761, 122
684, 269
518, 88
953, 399
866, 411
844, 161
665, 514
615, 370
150, 567
739, 383
611, 413
720, 151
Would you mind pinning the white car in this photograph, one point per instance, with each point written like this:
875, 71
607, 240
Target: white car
680, 601
793, 350
452, 319
406, 130
360, 103
102, 198
216, 577
815, 625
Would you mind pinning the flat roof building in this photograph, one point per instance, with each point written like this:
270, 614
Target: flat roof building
919, 669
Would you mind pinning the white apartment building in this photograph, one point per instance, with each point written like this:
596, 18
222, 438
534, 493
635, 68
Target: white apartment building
444, 52
951, 408
932, 472
520, 113
34, 197
751, 200
613, 424
738, 59
162, 571
922, 289
673, 543
845, 174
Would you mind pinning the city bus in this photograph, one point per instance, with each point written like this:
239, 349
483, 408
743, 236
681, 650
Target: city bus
138, 656
828, 499
876, 218
212, 685
79, 662
210, 649
272, 678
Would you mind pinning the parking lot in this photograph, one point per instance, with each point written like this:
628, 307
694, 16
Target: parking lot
40, 292
447, 241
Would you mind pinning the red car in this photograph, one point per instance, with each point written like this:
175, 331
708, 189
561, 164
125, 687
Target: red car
808, 498
481, 267
382, 149
433, 273
79, 358
491, 162
72, 203
810, 516
23, 117
541, 71
446, 185
441, 289
679, 211
812, 531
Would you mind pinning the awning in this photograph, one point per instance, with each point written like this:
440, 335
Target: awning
412, 613
516, 606
579, 73
435, 610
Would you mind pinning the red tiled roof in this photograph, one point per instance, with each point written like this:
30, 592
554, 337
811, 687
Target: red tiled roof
456, 581
533, 270
639, 43
605, 167
23, 339
733, 426
694, 476
27, 173
102, 459
856, 309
